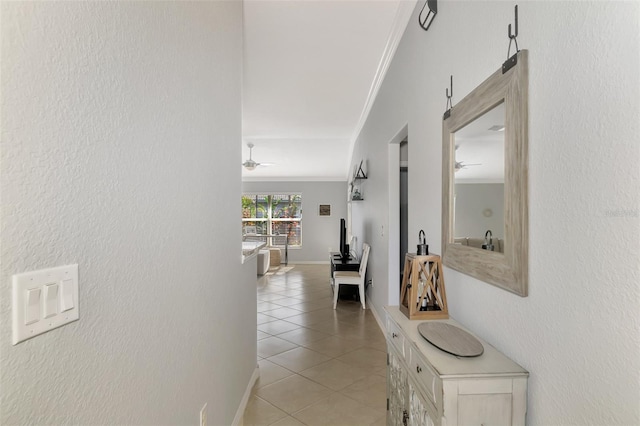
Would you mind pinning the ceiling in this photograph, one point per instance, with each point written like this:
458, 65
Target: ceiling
310, 73
480, 145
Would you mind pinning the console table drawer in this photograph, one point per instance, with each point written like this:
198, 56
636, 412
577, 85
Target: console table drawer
396, 337
425, 376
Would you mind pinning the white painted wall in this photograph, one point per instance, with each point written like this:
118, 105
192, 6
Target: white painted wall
472, 199
319, 233
117, 127
578, 331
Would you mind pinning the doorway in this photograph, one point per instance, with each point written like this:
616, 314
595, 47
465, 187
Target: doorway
398, 211
404, 202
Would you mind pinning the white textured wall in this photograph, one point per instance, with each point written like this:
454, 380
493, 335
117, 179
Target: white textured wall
472, 199
118, 125
578, 331
319, 233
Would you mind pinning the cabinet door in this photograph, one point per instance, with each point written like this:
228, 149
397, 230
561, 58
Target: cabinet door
492, 409
396, 389
421, 412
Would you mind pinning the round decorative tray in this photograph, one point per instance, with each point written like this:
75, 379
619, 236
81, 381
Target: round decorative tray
450, 339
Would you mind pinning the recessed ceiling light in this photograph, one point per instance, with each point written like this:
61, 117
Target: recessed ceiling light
497, 128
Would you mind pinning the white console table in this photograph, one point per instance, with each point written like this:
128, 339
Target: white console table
427, 386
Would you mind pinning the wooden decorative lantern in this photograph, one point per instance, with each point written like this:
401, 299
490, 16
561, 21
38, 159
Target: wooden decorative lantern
422, 293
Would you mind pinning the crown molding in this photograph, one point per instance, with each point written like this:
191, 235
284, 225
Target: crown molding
403, 14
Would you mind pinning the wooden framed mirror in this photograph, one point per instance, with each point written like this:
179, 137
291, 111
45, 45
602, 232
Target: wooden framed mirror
500, 198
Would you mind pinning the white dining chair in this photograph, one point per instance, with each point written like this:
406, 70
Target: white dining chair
352, 277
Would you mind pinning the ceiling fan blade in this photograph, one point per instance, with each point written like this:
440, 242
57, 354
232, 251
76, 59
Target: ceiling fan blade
462, 165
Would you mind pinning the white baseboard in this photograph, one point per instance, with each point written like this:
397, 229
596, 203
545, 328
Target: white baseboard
309, 262
378, 319
238, 419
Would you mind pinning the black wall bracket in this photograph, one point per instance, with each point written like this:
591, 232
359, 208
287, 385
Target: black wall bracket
512, 60
447, 113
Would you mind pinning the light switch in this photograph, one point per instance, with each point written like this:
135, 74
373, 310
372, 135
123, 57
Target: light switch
50, 300
32, 306
66, 295
47, 293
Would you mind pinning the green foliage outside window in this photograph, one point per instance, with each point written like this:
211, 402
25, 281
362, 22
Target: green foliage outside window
275, 214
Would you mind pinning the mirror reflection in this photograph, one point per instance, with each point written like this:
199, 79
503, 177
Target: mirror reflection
479, 182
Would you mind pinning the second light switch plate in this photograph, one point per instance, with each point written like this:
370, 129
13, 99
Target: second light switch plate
43, 300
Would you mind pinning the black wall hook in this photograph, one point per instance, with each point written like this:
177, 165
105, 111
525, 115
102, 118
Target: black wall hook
447, 113
513, 60
513, 36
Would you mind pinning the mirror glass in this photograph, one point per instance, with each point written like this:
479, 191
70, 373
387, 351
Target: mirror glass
478, 165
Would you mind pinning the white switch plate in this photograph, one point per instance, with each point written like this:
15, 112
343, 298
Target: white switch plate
65, 296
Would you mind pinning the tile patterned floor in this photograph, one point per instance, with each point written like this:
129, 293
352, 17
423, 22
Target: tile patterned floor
318, 366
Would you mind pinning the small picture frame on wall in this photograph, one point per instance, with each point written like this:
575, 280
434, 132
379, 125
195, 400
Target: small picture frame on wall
324, 210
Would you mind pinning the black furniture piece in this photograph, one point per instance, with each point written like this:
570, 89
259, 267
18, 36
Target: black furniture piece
339, 264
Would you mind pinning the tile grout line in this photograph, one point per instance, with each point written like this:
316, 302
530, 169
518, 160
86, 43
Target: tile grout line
341, 317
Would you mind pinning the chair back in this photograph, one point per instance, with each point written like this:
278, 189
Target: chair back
364, 259
352, 248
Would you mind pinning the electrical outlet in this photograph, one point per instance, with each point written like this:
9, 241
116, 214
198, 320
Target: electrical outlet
203, 415
370, 282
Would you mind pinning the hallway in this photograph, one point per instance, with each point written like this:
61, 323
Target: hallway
318, 366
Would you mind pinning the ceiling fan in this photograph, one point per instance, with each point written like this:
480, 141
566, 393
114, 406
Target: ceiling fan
459, 165
462, 165
250, 164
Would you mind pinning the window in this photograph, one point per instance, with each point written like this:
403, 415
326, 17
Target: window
274, 214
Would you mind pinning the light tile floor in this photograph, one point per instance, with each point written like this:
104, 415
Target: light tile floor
318, 366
